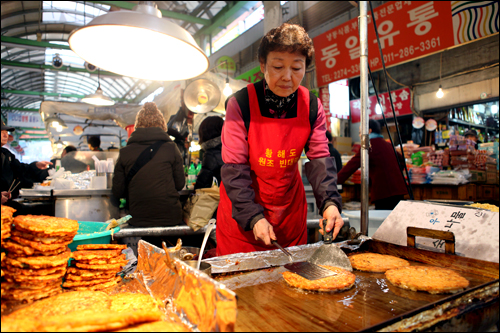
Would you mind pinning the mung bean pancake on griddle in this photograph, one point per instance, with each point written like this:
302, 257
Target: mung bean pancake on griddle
343, 280
374, 262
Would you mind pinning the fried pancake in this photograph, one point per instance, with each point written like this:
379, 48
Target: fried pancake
40, 246
7, 212
18, 294
100, 286
342, 281
7, 226
39, 261
104, 262
96, 254
44, 240
30, 297
71, 277
46, 225
15, 285
91, 321
90, 272
26, 279
20, 250
374, 262
3, 255
101, 247
156, 326
434, 280
71, 284
28, 271
5, 234
133, 302
100, 267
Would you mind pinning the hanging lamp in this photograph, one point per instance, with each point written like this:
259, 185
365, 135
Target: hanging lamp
139, 44
98, 97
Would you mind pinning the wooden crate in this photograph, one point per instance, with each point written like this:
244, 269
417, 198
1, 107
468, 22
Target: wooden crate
487, 192
442, 192
467, 192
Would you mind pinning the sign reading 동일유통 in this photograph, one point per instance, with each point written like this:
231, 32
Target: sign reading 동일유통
407, 30
251, 76
24, 120
400, 98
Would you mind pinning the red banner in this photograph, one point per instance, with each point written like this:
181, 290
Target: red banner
400, 98
324, 96
407, 30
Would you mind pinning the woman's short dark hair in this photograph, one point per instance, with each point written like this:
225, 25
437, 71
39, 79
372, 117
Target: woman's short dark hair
210, 128
287, 37
374, 126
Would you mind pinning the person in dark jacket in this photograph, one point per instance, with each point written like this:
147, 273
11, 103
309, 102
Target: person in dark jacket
94, 143
387, 183
153, 196
14, 170
334, 152
210, 131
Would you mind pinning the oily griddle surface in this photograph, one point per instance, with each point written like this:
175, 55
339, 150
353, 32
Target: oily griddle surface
267, 303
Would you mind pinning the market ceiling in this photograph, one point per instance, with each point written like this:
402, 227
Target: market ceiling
28, 77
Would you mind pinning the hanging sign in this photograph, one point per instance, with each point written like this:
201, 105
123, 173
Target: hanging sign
251, 76
407, 30
401, 99
25, 120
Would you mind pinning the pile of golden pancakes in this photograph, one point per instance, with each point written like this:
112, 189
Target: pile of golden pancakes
94, 267
37, 256
7, 213
91, 311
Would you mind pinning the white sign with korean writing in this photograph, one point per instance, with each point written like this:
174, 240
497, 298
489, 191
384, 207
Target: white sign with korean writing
24, 120
476, 230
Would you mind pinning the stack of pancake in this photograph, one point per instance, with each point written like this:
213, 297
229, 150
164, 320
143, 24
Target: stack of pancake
7, 213
94, 267
37, 257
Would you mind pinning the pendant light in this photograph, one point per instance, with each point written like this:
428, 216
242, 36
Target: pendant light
227, 89
139, 44
439, 93
98, 97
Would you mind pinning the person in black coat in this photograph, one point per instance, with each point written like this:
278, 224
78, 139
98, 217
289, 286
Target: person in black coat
334, 152
13, 169
153, 193
210, 140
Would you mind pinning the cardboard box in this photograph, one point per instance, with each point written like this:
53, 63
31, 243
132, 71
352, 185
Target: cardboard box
491, 177
343, 145
478, 176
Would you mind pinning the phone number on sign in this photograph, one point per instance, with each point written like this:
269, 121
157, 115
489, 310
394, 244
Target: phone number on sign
410, 50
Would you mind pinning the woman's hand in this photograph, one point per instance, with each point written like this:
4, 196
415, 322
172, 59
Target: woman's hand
334, 221
263, 231
43, 165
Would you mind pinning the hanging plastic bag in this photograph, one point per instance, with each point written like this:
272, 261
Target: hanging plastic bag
201, 206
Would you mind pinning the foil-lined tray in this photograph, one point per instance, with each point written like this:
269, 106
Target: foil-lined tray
239, 262
188, 295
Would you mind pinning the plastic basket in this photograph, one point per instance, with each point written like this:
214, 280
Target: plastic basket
92, 233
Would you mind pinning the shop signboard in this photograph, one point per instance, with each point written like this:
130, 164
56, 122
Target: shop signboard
25, 120
251, 76
408, 30
401, 99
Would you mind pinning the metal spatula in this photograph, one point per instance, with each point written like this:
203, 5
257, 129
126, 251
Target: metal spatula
329, 254
304, 268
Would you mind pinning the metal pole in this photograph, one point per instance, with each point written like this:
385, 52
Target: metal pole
365, 140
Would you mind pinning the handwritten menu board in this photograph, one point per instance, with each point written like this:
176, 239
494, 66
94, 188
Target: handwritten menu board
476, 231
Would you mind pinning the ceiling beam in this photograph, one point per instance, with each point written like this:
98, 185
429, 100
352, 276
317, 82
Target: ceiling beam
43, 93
222, 16
33, 44
165, 13
41, 67
9, 108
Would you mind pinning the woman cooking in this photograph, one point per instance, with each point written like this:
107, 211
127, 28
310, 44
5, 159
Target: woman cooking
267, 126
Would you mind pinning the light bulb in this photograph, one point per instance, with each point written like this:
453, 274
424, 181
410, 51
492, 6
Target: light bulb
55, 123
59, 128
378, 110
440, 93
227, 90
59, 145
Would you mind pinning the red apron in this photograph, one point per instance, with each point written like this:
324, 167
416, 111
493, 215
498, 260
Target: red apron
275, 146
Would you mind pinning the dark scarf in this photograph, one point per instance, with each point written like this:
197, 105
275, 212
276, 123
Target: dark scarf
277, 104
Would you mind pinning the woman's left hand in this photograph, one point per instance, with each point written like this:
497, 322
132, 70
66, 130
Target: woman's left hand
334, 221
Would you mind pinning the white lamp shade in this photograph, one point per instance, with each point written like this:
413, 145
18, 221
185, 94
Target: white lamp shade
139, 45
98, 98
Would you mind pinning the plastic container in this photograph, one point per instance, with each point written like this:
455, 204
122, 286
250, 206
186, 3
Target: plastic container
375, 219
92, 233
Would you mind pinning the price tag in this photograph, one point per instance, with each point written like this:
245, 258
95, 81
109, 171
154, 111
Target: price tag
476, 231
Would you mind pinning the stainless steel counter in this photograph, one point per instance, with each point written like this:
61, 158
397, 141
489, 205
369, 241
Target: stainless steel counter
31, 193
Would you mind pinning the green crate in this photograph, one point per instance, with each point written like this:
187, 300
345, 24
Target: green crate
92, 233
